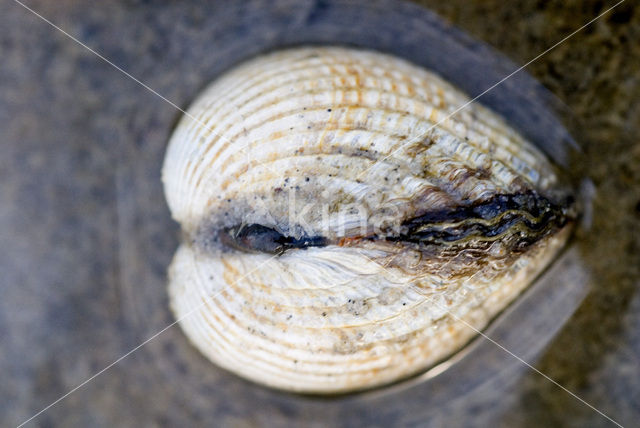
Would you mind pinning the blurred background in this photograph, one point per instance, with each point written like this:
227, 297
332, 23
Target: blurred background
86, 235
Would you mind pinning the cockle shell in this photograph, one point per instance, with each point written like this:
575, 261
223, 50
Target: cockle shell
344, 226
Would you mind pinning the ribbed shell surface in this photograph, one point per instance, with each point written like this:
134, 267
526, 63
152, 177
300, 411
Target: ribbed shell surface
401, 223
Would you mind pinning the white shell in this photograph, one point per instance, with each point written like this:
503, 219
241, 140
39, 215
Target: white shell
341, 143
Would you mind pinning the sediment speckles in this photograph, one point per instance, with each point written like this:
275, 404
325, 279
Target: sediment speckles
342, 228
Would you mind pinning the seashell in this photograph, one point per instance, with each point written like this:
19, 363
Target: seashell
342, 229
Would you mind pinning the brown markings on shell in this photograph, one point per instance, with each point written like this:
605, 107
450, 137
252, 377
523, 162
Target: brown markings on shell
335, 334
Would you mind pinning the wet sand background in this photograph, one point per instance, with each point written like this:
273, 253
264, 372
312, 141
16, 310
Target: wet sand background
73, 289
